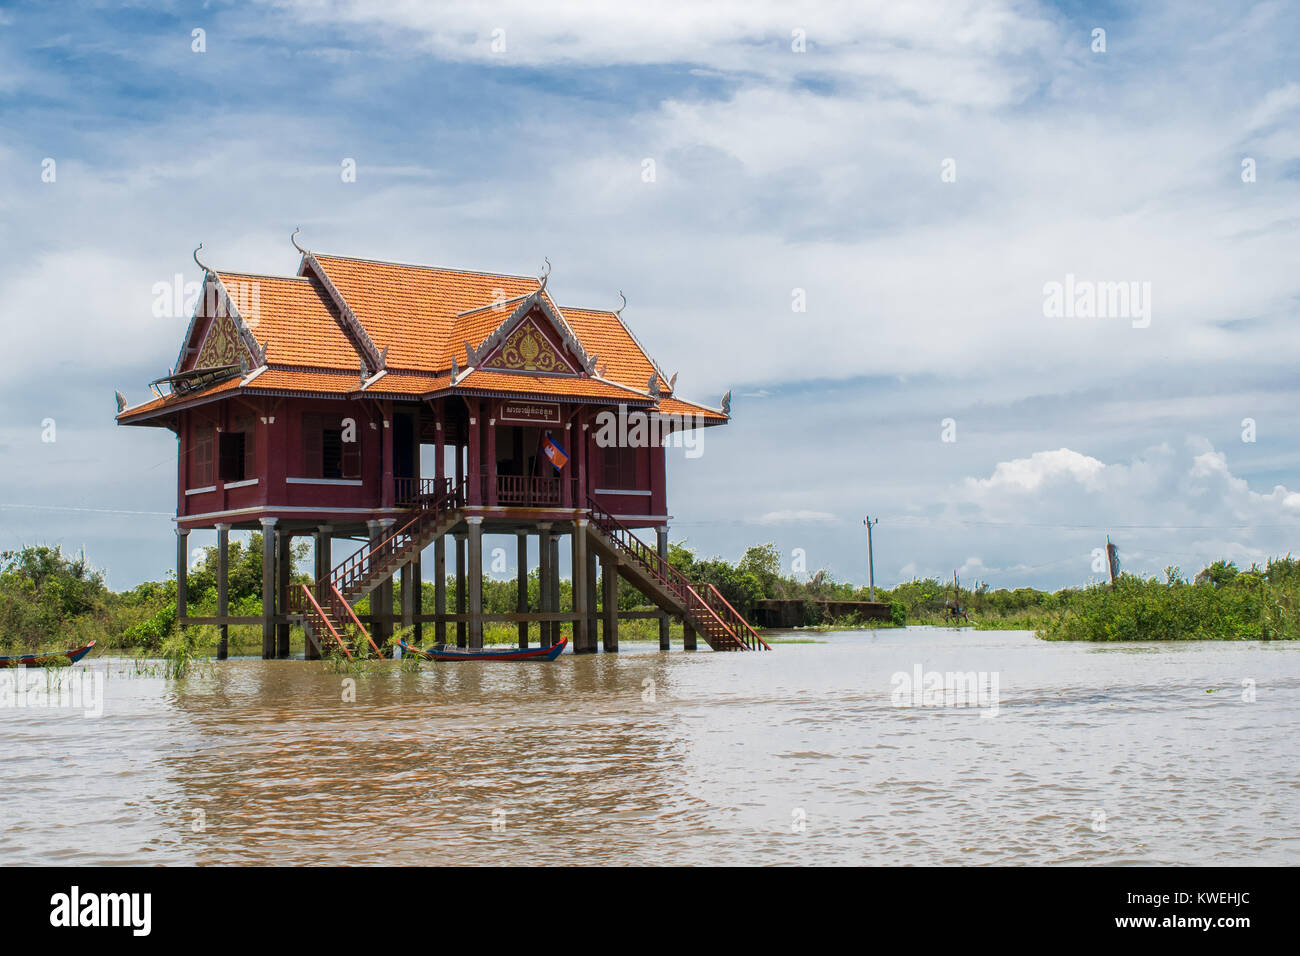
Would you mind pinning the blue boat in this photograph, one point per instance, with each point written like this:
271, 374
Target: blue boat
43, 660
444, 652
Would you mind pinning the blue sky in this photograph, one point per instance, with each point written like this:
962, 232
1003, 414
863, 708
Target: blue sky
775, 171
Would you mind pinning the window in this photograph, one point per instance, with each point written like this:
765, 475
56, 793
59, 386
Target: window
230, 456
325, 451
201, 456
618, 468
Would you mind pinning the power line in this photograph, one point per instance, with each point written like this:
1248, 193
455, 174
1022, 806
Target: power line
102, 511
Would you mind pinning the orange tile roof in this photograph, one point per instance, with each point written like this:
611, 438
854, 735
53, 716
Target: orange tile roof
558, 385
675, 406
394, 384
602, 334
294, 320
412, 310
423, 316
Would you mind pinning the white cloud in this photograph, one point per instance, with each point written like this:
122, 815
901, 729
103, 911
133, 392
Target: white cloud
1028, 474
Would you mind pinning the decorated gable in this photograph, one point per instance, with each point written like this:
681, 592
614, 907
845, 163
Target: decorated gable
222, 345
529, 347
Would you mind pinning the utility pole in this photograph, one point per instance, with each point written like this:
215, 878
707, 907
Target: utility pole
871, 564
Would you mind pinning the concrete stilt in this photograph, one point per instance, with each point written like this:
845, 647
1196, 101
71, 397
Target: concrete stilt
408, 600
544, 555
417, 599
268, 587
440, 588
283, 576
593, 593
475, 580
521, 559
661, 543
461, 631
688, 636
381, 631
555, 588
323, 562
223, 589
182, 573
609, 600
584, 642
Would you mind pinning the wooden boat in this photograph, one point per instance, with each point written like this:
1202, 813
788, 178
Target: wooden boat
445, 652
43, 660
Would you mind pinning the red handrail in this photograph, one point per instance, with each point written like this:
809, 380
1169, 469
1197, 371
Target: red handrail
348, 571
676, 582
737, 616
325, 618
357, 621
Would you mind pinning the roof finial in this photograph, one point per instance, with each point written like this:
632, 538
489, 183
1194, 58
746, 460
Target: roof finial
544, 276
196, 259
619, 310
294, 240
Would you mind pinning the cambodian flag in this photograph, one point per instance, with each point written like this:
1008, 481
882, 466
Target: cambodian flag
555, 452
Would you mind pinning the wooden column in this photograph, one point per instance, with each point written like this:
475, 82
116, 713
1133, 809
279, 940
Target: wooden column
268, 588
323, 545
223, 589
284, 574
661, 542
475, 536
440, 588
460, 470
461, 633
580, 451
584, 642
566, 486
439, 449
522, 561
475, 454
182, 573
688, 636
491, 465
544, 554
609, 600
386, 489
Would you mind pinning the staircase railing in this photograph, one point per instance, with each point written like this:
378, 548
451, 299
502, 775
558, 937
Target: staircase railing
320, 613
352, 571
339, 599
742, 628
709, 609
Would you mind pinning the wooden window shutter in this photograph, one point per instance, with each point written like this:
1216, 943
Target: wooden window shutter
312, 450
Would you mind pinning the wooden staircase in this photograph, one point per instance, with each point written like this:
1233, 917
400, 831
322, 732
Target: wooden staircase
326, 606
702, 606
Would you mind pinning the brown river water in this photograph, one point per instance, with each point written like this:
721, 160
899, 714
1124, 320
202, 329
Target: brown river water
1134, 754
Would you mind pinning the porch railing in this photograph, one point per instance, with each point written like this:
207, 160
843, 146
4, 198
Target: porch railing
410, 492
527, 490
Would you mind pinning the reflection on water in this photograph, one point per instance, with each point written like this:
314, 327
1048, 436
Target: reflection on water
1099, 754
